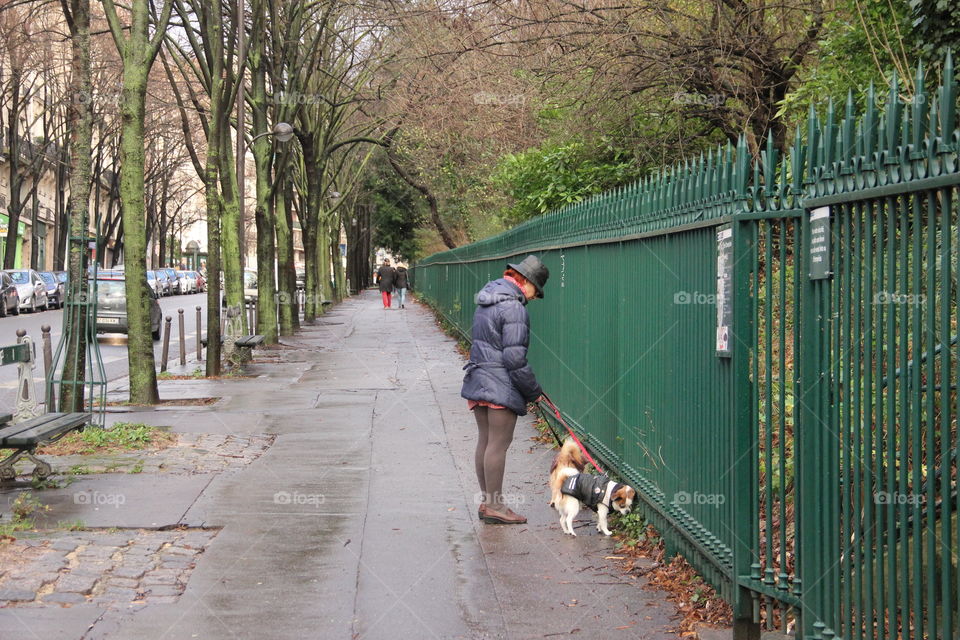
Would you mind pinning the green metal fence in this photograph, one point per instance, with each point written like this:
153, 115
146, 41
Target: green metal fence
768, 352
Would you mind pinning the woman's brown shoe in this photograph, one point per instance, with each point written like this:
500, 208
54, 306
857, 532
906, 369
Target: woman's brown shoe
481, 511
509, 517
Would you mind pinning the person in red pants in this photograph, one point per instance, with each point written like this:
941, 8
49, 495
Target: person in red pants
386, 278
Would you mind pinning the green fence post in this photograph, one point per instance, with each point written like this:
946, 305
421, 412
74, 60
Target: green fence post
742, 485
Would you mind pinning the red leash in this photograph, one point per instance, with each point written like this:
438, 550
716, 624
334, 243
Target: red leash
556, 412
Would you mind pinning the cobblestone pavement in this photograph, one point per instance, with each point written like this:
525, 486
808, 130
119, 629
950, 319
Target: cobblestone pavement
110, 569
193, 453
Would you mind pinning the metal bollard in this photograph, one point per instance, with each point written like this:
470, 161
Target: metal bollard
47, 350
47, 363
250, 324
183, 340
199, 337
166, 345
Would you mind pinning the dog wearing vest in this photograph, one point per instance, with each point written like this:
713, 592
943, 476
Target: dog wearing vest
571, 488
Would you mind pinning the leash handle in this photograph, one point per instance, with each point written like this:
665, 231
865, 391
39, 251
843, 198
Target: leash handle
556, 412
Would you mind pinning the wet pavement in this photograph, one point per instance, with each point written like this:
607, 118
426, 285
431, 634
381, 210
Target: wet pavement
356, 518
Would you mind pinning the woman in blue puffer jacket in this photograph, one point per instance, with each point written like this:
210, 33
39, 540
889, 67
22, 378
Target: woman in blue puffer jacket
499, 383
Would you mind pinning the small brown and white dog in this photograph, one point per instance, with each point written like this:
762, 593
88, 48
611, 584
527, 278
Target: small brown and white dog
570, 488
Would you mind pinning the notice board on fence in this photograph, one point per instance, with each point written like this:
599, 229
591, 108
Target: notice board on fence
820, 243
724, 288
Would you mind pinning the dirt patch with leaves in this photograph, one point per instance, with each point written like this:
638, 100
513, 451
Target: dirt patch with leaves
179, 402
697, 603
122, 436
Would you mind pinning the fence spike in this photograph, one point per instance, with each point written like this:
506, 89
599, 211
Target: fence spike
892, 113
948, 98
932, 124
742, 167
919, 112
870, 124
847, 131
827, 149
813, 144
770, 158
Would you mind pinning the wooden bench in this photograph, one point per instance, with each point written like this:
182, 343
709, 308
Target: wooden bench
27, 428
249, 341
242, 341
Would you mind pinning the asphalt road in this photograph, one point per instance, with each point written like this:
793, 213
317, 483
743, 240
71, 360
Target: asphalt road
113, 347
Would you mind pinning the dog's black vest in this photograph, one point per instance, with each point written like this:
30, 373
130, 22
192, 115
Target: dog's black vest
586, 487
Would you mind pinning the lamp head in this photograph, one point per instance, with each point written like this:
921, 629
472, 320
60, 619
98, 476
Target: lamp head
282, 131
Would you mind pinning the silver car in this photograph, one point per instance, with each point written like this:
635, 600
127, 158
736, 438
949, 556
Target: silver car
188, 281
32, 290
154, 282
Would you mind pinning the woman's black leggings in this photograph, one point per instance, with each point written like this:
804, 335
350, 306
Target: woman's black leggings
495, 428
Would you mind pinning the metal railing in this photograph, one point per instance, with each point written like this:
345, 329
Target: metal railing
768, 351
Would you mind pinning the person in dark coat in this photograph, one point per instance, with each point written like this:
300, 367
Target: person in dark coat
386, 278
499, 382
402, 284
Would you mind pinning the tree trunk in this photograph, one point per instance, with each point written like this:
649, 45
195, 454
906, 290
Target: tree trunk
339, 284
309, 224
230, 230
310, 264
80, 124
290, 311
142, 366
324, 290
358, 249
137, 52
15, 206
264, 212
211, 185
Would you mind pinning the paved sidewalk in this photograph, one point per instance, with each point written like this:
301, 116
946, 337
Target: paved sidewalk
358, 521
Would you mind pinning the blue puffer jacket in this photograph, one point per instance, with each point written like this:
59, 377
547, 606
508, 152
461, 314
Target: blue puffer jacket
498, 371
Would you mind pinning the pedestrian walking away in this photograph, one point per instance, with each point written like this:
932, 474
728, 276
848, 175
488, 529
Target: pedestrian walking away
402, 284
386, 278
499, 382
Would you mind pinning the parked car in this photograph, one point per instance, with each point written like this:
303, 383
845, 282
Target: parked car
112, 306
9, 297
62, 276
154, 282
188, 282
164, 287
174, 281
301, 279
32, 290
56, 290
